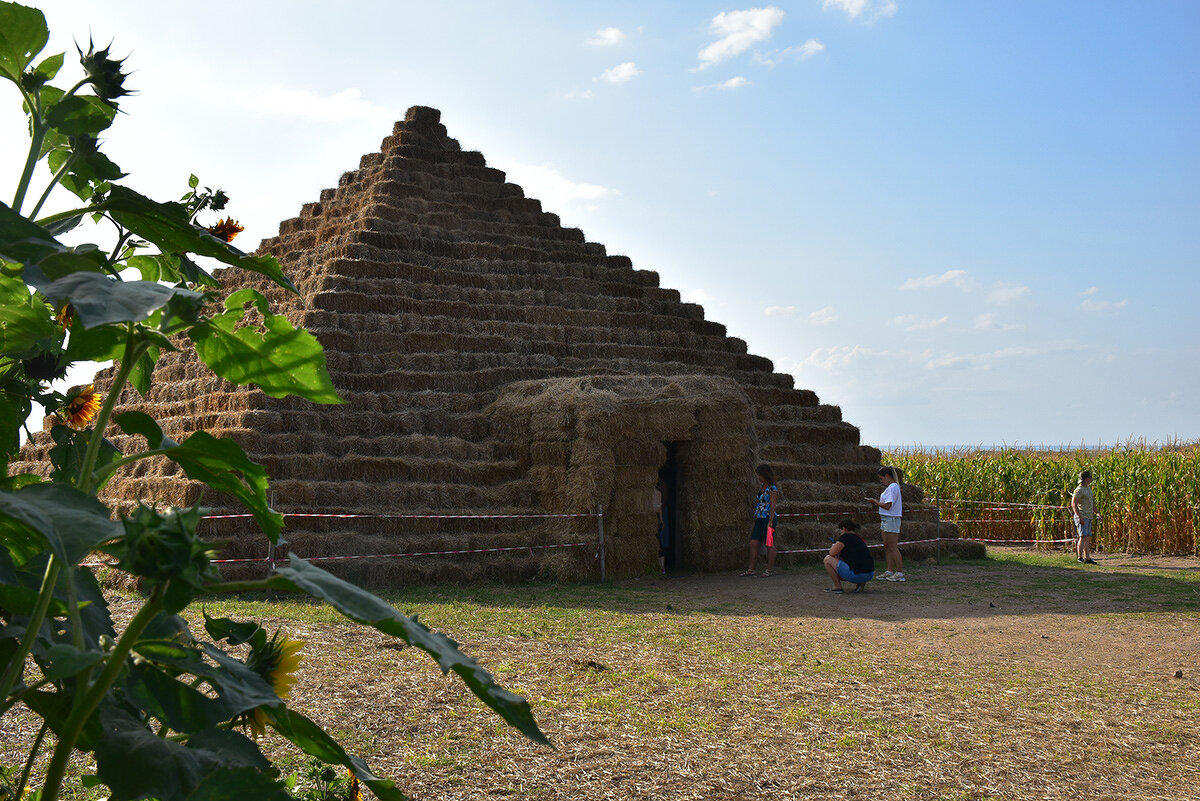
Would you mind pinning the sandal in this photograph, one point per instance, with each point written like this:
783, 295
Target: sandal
834, 589
748, 573
765, 574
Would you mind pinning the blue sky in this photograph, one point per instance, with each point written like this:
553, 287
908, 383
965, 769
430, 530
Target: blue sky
963, 222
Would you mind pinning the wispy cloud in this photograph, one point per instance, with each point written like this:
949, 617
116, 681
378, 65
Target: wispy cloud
955, 278
915, 322
737, 32
579, 94
989, 321
840, 357
343, 106
1002, 294
736, 82
548, 185
622, 73
867, 10
697, 296
823, 316
802, 52
987, 360
606, 37
1102, 306
776, 311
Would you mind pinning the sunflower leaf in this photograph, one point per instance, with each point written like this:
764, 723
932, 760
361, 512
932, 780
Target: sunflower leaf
276, 357
169, 226
367, 609
23, 34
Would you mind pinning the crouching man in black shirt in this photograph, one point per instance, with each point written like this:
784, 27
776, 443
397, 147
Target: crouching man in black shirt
849, 560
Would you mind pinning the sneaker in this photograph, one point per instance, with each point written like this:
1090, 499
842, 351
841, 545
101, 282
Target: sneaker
834, 589
1089, 561
894, 576
1079, 560
887, 574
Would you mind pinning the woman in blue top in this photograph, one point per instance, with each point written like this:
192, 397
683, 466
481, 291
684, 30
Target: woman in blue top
764, 518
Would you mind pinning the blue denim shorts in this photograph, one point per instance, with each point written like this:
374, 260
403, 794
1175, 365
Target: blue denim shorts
846, 574
890, 524
1083, 526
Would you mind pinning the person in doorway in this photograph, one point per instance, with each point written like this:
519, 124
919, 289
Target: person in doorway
664, 536
849, 560
1083, 510
891, 508
764, 521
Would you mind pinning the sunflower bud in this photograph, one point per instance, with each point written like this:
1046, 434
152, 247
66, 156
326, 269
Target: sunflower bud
103, 73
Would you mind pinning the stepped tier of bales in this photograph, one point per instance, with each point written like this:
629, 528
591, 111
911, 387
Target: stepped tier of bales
493, 362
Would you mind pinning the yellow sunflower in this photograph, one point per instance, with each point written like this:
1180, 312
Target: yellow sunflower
225, 229
276, 662
80, 409
65, 316
356, 793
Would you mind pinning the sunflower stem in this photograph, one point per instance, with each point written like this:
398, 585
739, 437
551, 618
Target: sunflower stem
33, 752
85, 706
68, 164
16, 665
88, 474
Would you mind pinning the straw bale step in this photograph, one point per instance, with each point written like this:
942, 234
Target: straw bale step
402, 496
827, 454
842, 474
810, 491
784, 414
405, 468
533, 285
804, 432
768, 397
413, 333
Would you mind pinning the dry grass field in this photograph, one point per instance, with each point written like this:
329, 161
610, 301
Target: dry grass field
1022, 676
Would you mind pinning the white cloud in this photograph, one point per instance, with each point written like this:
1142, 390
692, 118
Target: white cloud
988, 321
956, 278
607, 37
772, 311
551, 187
697, 296
344, 106
796, 53
1102, 306
622, 73
1002, 294
737, 32
736, 82
823, 316
577, 94
840, 357
867, 9
985, 361
915, 322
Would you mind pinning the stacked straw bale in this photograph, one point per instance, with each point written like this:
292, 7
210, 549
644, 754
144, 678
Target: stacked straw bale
493, 361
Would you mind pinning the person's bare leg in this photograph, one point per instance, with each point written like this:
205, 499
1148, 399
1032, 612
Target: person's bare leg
1085, 548
753, 555
831, 569
891, 552
770, 558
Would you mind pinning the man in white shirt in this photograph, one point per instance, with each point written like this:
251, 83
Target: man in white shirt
891, 508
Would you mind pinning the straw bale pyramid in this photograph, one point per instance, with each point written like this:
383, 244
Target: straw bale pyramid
494, 361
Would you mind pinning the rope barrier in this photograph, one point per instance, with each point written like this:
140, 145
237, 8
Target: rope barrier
405, 516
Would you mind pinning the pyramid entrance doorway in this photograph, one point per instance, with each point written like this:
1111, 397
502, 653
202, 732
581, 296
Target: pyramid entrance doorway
604, 441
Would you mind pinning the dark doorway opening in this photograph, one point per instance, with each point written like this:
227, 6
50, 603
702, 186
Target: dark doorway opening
668, 474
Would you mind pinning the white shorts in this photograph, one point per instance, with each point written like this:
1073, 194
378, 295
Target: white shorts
890, 524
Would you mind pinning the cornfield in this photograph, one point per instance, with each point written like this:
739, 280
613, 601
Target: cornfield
1147, 496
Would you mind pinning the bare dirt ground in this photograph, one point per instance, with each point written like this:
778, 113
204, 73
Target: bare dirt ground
966, 682
1001, 680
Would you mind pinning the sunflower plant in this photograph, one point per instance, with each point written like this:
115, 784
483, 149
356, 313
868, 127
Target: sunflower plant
163, 711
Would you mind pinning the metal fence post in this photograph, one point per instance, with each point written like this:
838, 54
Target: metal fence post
600, 526
937, 520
